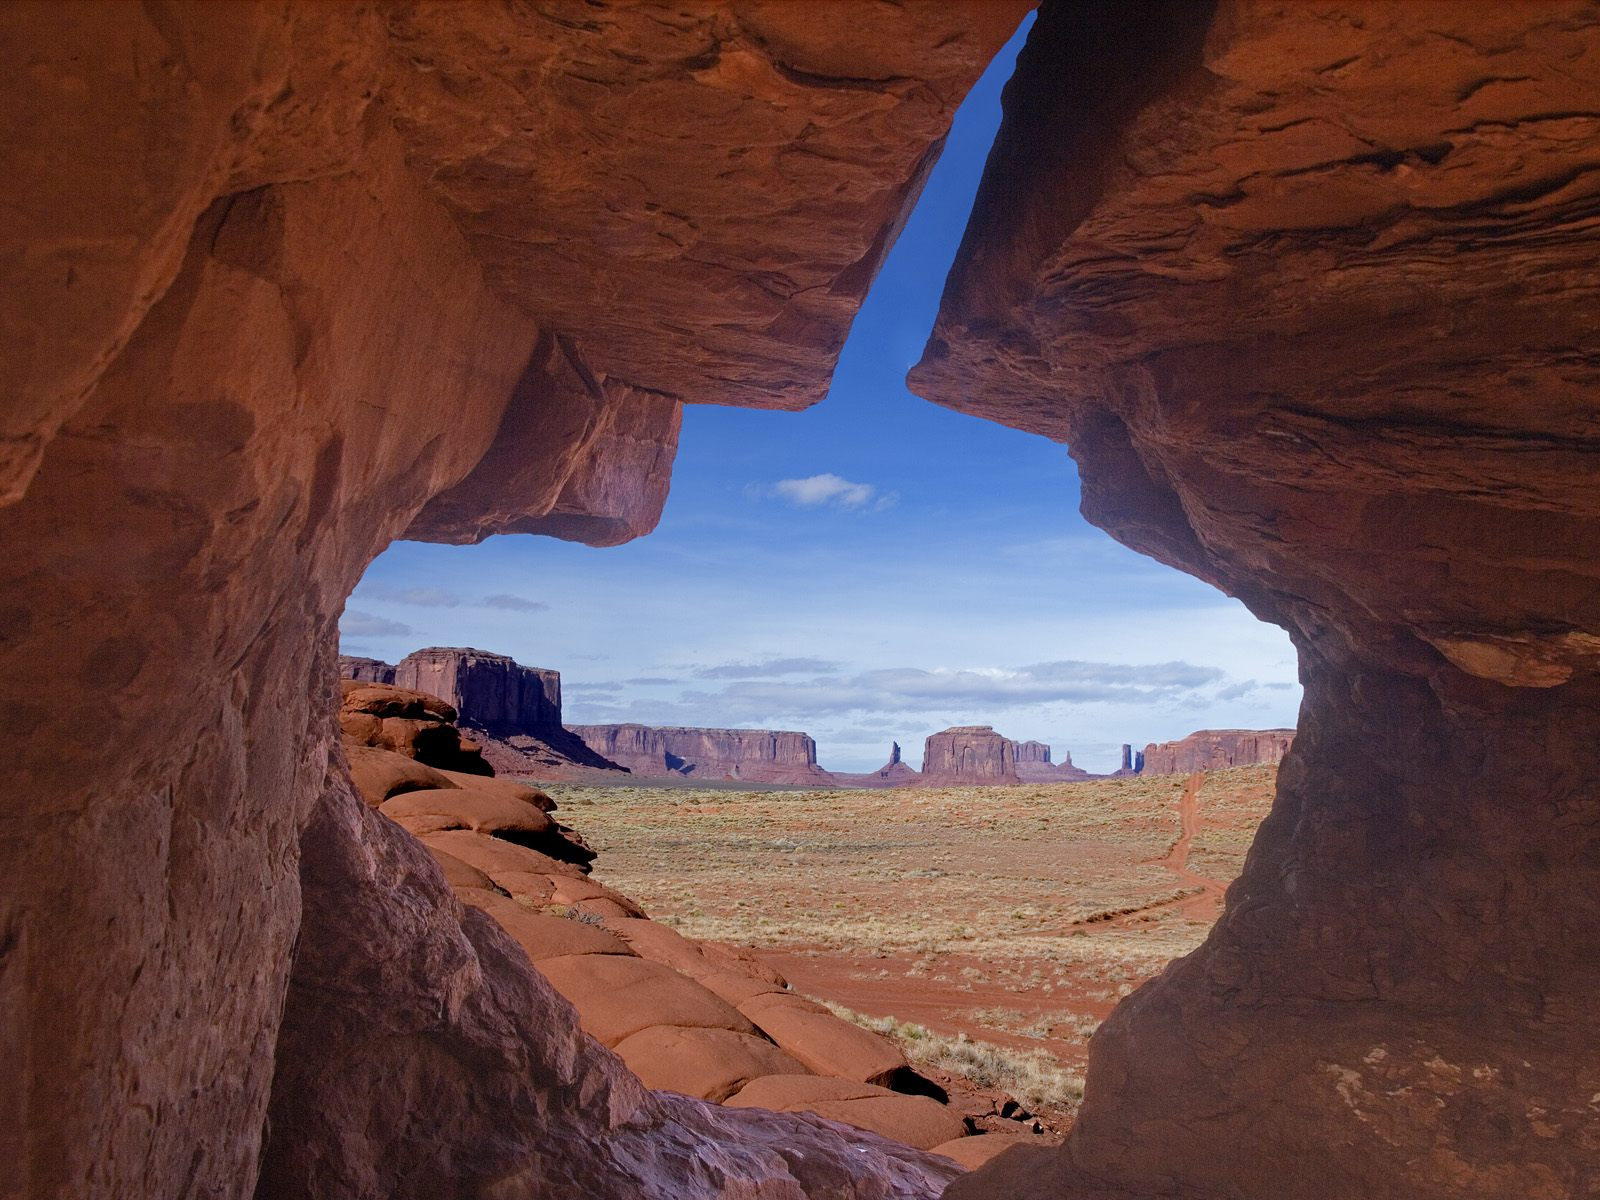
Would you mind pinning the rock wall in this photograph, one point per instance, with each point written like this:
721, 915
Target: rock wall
488, 690
756, 755
277, 278
968, 754
365, 670
1211, 749
1309, 294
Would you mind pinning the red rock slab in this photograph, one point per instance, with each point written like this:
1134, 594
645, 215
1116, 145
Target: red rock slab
617, 996
496, 857
823, 1042
588, 896
502, 787
380, 774
663, 944
431, 810
710, 1064
543, 936
974, 1152
915, 1120
460, 875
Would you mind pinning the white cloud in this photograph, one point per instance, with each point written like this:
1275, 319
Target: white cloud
814, 491
362, 624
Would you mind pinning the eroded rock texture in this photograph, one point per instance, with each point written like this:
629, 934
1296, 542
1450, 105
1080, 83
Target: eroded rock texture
968, 754
276, 279
1309, 291
1211, 749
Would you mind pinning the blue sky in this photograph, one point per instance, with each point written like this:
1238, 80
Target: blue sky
872, 569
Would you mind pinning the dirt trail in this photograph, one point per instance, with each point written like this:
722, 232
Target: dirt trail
1205, 904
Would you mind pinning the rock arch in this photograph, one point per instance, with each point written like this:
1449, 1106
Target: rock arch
1307, 291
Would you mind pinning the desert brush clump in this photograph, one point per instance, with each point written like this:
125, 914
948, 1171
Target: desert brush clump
1035, 1078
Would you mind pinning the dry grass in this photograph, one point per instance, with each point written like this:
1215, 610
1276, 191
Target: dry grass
1034, 1077
1015, 916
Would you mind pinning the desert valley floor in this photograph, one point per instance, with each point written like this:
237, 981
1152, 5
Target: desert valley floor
989, 929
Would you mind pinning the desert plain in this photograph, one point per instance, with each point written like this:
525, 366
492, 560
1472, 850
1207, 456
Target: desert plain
989, 930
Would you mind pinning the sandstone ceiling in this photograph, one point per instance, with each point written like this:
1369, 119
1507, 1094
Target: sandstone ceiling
1310, 291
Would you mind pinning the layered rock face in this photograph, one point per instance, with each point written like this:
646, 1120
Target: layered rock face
968, 754
1309, 293
490, 690
1211, 749
365, 670
755, 755
277, 278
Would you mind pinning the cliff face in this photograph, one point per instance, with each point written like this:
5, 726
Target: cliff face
277, 277
968, 754
486, 689
1309, 293
366, 670
757, 755
1209, 749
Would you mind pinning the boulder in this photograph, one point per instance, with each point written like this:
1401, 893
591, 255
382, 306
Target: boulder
826, 1044
415, 724
974, 1152
618, 996
915, 1120
709, 1063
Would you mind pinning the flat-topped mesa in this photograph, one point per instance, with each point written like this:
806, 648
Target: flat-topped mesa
969, 754
365, 670
1213, 749
488, 690
753, 755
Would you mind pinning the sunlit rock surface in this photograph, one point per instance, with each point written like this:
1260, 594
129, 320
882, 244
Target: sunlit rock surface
1310, 293
276, 279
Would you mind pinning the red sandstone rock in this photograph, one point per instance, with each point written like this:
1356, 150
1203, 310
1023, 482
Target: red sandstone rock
1309, 294
272, 276
486, 689
711, 1064
968, 754
914, 1120
1209, 749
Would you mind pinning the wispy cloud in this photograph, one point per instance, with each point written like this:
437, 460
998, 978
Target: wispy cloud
771, 668
817, 491
436, 597
971, 694
514, 603
361, 624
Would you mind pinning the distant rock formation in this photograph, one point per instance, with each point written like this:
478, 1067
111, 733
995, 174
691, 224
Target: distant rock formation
1034, 765
969, 754
487, 689
893, 773
512, 711
753, 755
366, 670
1210, 749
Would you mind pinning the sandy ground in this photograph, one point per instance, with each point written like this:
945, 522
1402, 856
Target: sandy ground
1017, 916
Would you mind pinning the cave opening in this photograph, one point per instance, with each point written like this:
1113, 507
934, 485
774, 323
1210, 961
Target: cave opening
874, 570
1309, 291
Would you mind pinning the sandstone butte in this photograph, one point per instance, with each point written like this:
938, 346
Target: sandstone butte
1307, 290
1210, 749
